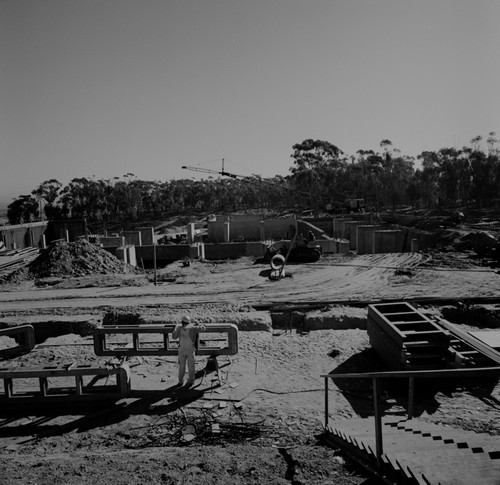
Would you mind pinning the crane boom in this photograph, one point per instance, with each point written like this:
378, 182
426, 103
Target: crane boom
206, 170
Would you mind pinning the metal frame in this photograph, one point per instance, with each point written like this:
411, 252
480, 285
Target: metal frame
78, 392
169, 346
410, 375
26, 335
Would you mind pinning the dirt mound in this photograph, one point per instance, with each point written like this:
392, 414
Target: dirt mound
68, 260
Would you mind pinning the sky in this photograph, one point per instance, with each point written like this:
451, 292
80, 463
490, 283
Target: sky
103, 88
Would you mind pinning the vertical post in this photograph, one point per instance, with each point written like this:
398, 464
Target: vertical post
378, 422
78, 385
326, 401
154, 262
44, 386
411, 393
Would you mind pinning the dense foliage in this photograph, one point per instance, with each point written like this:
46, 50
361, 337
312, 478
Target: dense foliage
322, 177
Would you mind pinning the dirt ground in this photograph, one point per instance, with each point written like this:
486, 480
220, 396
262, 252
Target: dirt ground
269, 402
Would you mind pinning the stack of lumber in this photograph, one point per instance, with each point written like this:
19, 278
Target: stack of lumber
418, 452
406, 339
16, 258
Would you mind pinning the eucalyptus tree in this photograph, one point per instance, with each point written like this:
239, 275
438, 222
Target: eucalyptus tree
23, 209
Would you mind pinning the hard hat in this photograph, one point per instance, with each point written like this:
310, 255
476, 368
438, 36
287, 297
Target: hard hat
186, 319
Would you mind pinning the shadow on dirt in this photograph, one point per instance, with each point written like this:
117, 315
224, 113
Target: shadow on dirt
39, 419
394, 392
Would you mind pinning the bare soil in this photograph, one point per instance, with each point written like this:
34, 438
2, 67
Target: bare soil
271, 420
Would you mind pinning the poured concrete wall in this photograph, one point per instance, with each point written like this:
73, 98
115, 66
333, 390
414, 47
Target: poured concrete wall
234, 250
364, 238
215, 230
21, 236
165, 252
350, 232
132, 237
387, 241
147, 235
111, 241
343, 245
279, 228
244, 229
328, 246
338, 225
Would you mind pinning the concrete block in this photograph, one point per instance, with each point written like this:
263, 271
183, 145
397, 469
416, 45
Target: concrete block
414, 246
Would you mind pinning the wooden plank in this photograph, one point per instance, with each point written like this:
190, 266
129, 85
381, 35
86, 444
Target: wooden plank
473, 342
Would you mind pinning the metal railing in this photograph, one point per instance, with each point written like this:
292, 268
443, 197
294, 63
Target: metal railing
376, 377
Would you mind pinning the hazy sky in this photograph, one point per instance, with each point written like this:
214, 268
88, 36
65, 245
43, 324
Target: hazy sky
108, 87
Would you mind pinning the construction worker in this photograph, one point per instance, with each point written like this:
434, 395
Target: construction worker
187, 333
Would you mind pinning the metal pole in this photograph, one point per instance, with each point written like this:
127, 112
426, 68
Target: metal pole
326, 402
378, 423
411, 393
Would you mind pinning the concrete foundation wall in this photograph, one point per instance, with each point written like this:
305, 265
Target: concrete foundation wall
277, 229
343, 245
388, 241
234, 250
215, 231
350, 233
21, 236
111, 241
69, 230
147, 234
132, 237
364, 238
167, 252
246, 230
338, 225
328, 246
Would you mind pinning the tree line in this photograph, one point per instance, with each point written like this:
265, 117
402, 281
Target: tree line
322, 177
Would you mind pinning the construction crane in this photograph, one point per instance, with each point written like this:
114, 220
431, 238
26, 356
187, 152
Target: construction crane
243, 178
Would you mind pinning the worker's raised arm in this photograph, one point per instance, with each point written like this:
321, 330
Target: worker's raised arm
177, 332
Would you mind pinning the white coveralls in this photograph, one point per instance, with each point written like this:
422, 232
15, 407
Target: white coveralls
187, 338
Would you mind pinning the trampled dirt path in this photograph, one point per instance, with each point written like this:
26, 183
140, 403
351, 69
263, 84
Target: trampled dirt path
360, 278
